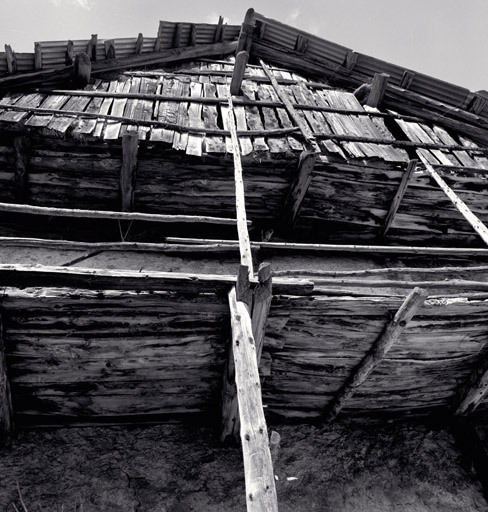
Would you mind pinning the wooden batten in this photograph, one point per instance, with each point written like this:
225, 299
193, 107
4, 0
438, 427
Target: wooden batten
395, 204
299, 187
218, 37
22, 157
244, 42
463, 209
244, 241
6, 409
301, 43
130, 145
91, 47
109, 45
239, 71
258, 467
304, 128
69, 56
11, 59
177, 35
378, 351
81, 70
37, 56
378, 89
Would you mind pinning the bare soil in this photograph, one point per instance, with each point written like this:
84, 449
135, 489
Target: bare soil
380, 467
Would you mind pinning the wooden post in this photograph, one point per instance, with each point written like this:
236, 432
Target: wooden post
218, 30
378, 88
262, 297
244, 42
91, 47
81, 70
395, 204
193, 35
301, 43
22, 157
37, 56
177, 36
407, 79
69, 56
378, 351
258, 468
474, 391
11, 59
304, 128
139, 43
244, 243
299, 187
130, 144
350, 61
109, 45
238, 74
6, 409
463, 209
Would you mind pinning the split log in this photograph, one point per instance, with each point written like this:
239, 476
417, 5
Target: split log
395, 204
378, 89
378, 351
6, 409
463, 209
244, 243
130, 144
99, 214
259, 474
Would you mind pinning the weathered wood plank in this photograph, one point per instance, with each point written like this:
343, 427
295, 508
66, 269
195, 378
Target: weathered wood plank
262, 296
378, 351
6, 409
22, 157
259, 475
474, 391
130, 145
395, 204
238, 75
378, 89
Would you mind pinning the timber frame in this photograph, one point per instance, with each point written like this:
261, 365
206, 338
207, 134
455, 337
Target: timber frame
314, 138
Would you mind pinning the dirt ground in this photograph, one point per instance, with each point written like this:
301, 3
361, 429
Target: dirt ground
388, 467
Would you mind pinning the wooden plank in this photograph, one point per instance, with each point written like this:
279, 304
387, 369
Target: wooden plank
378, 351
306, 132
219, 30
130, 145
244, 42
109, 45
299, 187
112, 129
244, 243
253, 117
91, 47
474, 391
81, 70
258, 468
11, 59
104, 109
378, 89
139, 43
195, 142
6, 409
69, 55
22, 157
238, 74
461, 206
98, 214
180, 138
395, 204
262, 296
87, 126
37, 56
213, 144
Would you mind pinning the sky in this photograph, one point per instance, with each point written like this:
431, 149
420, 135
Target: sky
442, 38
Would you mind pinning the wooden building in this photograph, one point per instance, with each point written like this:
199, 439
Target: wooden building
222, 220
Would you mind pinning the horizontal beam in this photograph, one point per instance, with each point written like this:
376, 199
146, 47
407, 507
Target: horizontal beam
97, 279
364, 249
101, 214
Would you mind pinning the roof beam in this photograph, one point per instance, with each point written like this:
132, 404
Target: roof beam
461, 206
378, 351
395, 204
6, 409
258, 467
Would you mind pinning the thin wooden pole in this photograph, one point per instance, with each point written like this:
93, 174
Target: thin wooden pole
258, 467
244, 242
395, 204
6, 409
378, 351
463, 209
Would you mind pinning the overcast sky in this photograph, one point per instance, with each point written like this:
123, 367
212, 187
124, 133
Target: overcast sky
443, 38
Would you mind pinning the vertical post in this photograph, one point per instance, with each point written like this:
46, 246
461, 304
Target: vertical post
378, 88
6, 409
22, 153
11, 59
130, 144
37, 56
82, 70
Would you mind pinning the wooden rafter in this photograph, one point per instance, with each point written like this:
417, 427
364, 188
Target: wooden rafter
258, 468
6, 409
395, 204
461, 206
378, 351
